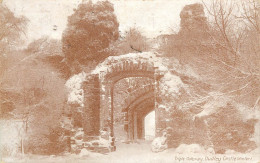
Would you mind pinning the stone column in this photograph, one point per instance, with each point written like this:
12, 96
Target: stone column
156, 104
111, 114
91, 115
130, 125
135, 126
140, 128
104, 111
103, 101
126, 124
143, 128
160, 122
107, 109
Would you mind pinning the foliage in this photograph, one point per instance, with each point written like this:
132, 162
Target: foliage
11, 28
39, 100
224, 51
180, 128
90, 31
52, 143
44, 47
132, 42
34, 92
50, 52
229, 131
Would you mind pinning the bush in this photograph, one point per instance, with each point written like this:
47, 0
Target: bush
90, 31
229, 131
53, 143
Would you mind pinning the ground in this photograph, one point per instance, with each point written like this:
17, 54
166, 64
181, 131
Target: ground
140, 153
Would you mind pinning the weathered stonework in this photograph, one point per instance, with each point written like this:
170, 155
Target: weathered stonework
91, 111
98, 118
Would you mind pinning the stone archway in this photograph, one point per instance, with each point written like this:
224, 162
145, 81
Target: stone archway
139, 103
99, 94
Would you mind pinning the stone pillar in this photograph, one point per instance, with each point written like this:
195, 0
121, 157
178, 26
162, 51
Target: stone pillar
160, 122
143, 128
107, 112
103, 101
156, 104
140, 129
130, 125
91, 115
104, 112
135, 126
105, 109
126, 124
111, 114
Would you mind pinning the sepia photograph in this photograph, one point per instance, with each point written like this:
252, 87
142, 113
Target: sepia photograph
129, 81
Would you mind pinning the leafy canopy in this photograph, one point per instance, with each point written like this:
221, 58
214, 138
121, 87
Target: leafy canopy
90, 31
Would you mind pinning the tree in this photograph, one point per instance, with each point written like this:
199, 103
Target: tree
234, 29
31, 91
225, 53
38, 96
250, 14
50, 52
11, 30
132, 42
91, 30
45, 47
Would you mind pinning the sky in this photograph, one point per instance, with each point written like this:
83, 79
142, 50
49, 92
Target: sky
151, 17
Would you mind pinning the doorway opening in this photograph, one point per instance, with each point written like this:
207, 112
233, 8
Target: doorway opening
149, 126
